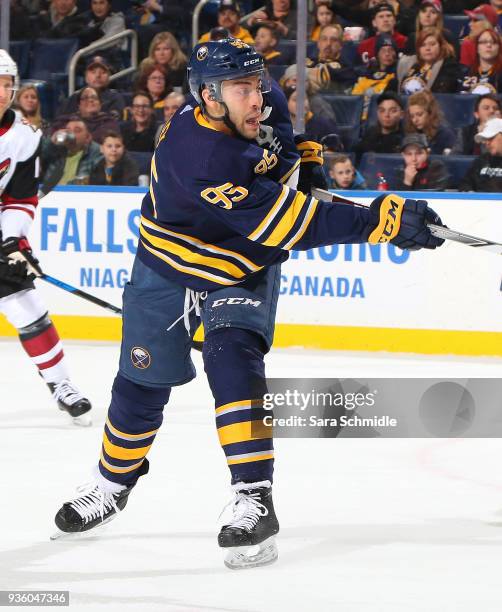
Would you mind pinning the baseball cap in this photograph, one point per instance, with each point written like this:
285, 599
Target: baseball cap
98, 60
384, 40
492, 127
484, 12
383, 7
436, 5
229, 4
419, 140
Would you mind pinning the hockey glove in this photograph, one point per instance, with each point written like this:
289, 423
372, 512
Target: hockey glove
19, 249
311, 165
14, 274
402, 222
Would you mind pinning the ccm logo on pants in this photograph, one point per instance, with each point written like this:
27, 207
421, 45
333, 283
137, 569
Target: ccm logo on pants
236, 300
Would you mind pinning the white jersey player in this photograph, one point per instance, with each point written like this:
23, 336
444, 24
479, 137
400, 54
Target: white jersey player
20, 302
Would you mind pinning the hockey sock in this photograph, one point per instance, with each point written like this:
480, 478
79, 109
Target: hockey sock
41, 341
233, 361
134, 417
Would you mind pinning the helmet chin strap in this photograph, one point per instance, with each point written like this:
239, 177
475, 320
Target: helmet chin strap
225, 118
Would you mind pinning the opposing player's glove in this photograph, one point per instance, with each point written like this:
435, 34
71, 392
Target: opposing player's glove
14, 274
19, 249
311, 165
402, 222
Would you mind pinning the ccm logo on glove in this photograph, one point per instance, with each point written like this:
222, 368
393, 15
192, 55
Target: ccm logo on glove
391, 210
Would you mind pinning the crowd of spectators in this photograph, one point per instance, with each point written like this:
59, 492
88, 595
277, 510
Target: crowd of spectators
397, 56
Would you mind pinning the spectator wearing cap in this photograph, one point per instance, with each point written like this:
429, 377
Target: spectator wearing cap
102, 22
97, 75
63, 20
487, 106
381, 71
430, 15
419, 172
282, 14
229, 15
90, 111
383, 22
485, 173
330, 72
385, 136
117, 167
165, 51
497, 5
350, 10
139, 132
423, 116
266, 40
434, 67
485, 75
316, 126
482, 18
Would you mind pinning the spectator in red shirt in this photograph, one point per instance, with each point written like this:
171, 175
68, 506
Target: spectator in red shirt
383, 22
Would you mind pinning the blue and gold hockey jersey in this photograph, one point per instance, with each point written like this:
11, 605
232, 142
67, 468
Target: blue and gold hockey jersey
218, 208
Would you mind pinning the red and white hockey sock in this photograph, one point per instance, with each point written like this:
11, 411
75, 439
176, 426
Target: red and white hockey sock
41, 341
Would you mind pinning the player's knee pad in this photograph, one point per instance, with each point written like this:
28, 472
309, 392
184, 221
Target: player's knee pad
135, 408
234, 364
23, 308
36, 327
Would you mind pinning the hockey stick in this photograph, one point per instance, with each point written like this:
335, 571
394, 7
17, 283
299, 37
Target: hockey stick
436, 230
34, 266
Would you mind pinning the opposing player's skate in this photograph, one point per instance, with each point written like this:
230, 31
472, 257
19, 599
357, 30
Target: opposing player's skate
71, 400
97, 503
249, 536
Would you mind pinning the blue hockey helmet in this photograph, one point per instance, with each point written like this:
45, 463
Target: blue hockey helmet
223, 60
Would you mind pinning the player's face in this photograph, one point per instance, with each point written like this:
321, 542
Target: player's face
389, 114
418, 116
429, 52
163, 54
488, 46
415, 156
244, 100
6, 83
112, 149
486, 110
28, 101
428, 17
343, 173
494, 145
97, 77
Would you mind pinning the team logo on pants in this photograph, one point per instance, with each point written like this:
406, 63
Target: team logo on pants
140, 358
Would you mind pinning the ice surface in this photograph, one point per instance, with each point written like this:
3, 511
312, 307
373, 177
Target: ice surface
366, 525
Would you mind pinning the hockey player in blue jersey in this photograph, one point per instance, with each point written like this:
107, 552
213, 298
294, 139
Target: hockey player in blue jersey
216, 224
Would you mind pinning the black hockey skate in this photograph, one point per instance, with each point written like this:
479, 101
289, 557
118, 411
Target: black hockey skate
96, 505
69, 399
249, 537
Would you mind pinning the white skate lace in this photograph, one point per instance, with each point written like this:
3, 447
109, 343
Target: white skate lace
247, 510
94, 502
192, 301
67, 393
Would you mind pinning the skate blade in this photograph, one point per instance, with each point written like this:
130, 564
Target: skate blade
82, 535
245, 557
84, 420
